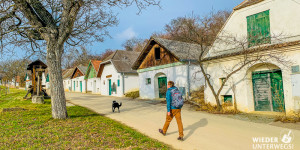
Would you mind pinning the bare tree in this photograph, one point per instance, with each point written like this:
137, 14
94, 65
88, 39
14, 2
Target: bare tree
55, 24
203, 31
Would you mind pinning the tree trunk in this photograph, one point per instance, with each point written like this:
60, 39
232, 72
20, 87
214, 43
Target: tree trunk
58, 99
211, 87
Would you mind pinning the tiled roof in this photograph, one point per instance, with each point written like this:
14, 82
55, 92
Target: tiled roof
68, 73
123, 60
96, 64
247, 3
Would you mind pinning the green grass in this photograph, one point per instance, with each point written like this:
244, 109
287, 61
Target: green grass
34, 128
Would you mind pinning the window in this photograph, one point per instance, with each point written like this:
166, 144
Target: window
295, 69
118, 82
76, 83
228, 99
148, 81
258, 28
157, 53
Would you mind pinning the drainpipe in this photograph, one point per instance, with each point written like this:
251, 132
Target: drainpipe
123, 86
188, 79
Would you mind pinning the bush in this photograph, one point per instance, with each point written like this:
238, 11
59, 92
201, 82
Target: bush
133, 94
288, 119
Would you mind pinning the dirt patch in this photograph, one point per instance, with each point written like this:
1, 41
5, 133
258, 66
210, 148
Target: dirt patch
12, 109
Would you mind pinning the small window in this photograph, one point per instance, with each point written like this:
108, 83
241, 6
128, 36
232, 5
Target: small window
295, 69
76, 83
228, 99
148, 80
157, 53
118, 82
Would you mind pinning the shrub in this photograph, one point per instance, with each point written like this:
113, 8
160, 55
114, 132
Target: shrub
133, 94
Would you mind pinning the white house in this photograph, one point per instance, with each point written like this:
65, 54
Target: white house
77, 78
45, 80
117, 77
93, 82
67, 79
165, 60
271, 79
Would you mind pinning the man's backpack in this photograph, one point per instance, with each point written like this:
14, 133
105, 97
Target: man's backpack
177, 100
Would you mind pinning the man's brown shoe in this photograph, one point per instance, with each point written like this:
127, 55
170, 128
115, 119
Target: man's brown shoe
180, 138
161, 131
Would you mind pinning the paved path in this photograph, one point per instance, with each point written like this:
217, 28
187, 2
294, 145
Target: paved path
202, 131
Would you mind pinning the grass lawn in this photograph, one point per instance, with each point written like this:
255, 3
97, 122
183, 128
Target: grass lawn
34, 128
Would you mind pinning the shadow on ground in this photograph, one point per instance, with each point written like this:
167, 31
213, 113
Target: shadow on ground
189, 130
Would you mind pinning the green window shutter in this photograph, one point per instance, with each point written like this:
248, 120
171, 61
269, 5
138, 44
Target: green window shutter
258, 28
118, 82
47, 78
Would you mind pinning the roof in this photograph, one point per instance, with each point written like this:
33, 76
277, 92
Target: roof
37, 62
96, 64
253, 50
68, 73
182, 50
82, 69
122, 60
247, 3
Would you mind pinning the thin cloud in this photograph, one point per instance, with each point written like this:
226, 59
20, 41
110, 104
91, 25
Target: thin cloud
129, 33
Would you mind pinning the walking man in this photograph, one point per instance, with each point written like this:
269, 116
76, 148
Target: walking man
174, 105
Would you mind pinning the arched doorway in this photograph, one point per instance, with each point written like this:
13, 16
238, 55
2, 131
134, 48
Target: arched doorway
160, 85
267, 86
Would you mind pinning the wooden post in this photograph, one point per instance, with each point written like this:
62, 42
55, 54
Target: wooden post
33, 80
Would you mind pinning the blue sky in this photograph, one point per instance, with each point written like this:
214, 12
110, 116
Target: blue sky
151, 20
154, 19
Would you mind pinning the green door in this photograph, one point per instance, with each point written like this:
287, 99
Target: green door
80, 86
109, 86
261, 91
268, 91
74, 86
277, 92
162, 86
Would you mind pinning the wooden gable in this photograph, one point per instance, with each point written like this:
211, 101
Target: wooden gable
77, 73
151, 61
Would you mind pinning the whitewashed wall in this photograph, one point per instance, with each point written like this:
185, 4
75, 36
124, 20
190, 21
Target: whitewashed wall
284, 23
177, 74
77, 84
131, 81
93, 85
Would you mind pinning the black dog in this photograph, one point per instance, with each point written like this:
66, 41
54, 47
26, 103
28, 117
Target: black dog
115, 105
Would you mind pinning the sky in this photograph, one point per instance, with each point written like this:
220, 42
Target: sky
151, 20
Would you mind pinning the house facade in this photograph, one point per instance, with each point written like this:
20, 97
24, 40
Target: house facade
269, 78
77, 79
67, 81
117, 77
166, 60
93, 82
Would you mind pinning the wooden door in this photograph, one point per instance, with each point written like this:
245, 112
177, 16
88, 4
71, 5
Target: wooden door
162, 87
277, 92
261, 91
268, 91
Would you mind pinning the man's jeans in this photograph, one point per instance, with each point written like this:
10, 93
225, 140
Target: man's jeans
177, 114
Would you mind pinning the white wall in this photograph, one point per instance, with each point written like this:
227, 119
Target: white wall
93, 85
178, 74
77, 84
284, 23
131, 81
68, 84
